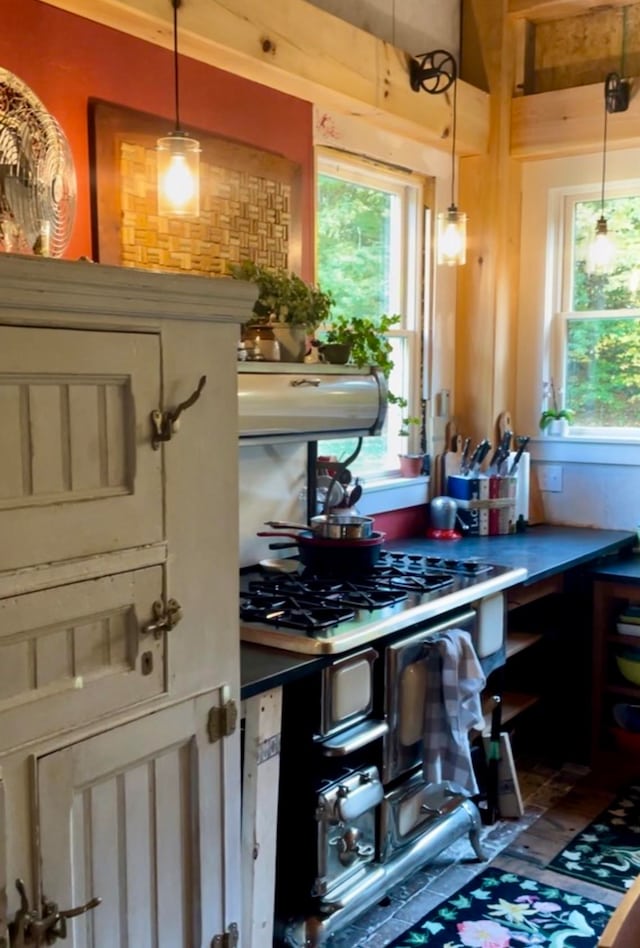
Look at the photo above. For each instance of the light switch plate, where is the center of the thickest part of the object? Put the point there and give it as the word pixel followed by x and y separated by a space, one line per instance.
pixel 550 477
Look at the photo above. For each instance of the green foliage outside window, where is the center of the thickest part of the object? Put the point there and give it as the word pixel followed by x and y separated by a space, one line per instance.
pixel 603 354
pixel 354 253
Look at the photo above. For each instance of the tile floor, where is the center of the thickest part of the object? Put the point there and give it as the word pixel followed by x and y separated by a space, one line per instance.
pixel 541 786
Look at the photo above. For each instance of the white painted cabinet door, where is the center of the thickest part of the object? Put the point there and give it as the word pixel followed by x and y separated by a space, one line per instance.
pixel 78 473
pixel 78 652
pixel 134 816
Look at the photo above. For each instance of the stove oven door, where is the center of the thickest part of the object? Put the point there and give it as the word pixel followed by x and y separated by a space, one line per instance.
pixel 346 815
pixel 347 692
pixel 405 693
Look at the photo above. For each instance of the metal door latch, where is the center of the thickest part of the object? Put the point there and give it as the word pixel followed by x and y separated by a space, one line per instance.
pixel 165 423
pixel 230 939
pixel 163 619
pixel 31 930
pixel 222 721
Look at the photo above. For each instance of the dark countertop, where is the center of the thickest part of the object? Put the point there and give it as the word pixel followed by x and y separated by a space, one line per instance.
pixel 542 550
pixel 624 571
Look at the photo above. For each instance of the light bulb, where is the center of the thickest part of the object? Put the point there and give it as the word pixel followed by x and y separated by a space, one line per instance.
pixel 178 184
pixel 452 237
pixel 601 251
pixel 178 175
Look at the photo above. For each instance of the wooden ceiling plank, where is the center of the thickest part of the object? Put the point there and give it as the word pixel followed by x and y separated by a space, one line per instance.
pixel 301 50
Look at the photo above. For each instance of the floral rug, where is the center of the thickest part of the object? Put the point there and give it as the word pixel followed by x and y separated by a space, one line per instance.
pixel 607 852
pixel 502 910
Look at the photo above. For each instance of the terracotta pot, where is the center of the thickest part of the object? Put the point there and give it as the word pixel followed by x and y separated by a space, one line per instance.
pixel 410 464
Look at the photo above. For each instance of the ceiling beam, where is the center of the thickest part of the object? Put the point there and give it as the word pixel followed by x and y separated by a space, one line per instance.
pixel 539 11
pixel 300 49
pixel 569 122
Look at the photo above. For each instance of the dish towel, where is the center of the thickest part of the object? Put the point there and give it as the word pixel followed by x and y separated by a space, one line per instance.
pixel 452 707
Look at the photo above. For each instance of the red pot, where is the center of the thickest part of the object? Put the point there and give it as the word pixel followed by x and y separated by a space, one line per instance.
pixel 335 556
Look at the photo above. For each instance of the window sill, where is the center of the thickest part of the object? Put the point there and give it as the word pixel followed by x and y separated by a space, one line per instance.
pixel 393 493
pixel 575 449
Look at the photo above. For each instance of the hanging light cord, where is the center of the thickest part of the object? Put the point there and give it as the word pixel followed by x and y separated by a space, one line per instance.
pixel 453 138
pixel 176 4
pixel 604 153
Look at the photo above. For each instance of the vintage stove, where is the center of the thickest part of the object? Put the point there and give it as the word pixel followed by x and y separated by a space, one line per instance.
pixel 315 614
pixel 356 815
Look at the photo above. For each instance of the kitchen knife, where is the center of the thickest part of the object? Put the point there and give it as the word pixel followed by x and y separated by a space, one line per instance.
pixel 474 458
pixel 464 457
pixel 485 447
pixel 522 443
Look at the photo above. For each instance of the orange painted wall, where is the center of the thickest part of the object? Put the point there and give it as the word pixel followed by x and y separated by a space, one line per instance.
pixel 66 60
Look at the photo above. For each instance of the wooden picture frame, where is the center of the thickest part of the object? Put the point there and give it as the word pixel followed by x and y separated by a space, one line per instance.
pixel 250 200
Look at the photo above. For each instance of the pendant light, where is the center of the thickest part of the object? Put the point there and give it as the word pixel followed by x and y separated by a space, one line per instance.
pixel 178 156
pixel 451 240
pixel 435 72
pixel 601 251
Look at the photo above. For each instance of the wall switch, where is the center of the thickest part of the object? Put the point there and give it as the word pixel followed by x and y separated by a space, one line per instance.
pixel 550 477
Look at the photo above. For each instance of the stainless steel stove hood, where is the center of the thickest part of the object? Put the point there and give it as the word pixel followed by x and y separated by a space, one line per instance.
pixel 289 401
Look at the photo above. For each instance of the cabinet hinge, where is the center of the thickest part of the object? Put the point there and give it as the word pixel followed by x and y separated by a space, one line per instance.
pixel 230 939
pixel 222 721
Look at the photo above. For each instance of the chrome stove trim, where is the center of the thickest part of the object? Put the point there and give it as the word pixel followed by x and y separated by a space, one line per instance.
pixel 367 627
pixel 377 879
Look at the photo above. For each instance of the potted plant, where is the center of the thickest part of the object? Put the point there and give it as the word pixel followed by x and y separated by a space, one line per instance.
pixel 554 420
pixel 411 459
pixel 361 339
pixel 291 308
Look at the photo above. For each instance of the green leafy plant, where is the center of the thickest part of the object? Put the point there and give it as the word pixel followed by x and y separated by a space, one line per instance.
pixel 554 412
pixel 284 297
pixel 367 340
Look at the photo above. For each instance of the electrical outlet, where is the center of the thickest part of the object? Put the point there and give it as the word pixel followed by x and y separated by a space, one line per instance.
pixel 550 478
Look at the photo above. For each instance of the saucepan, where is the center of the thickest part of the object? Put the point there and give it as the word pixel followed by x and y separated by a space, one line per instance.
pixel 331 526
pixel 335 556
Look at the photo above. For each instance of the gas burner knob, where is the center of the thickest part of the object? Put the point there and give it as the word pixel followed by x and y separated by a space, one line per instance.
pixel 432 560
pixel 451 564
pixel 397 556
pixel 472 566
pixel 364 777
pixel 414 557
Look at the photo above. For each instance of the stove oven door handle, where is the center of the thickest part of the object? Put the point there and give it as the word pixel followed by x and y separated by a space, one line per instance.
pixel 354 738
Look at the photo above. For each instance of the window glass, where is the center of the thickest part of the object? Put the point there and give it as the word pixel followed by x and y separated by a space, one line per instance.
pixel 369 253
pixel 600 341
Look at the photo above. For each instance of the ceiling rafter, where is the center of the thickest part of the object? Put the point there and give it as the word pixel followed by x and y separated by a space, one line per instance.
pixel 300 49
pixel 539 11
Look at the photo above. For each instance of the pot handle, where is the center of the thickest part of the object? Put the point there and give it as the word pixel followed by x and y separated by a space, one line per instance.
pixel 272 533
pixel 280 524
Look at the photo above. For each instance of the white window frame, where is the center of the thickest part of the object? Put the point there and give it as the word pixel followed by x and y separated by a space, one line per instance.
pixel 412 287
pixel 563 212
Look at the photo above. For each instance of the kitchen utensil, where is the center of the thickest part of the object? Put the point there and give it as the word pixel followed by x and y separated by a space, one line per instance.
pixel 335 556
pixel 442 513
pixel 330 490
pixel 354 495
pixel 330 526
pixel 464 457
pixel 342 466
pixel 279 565
pixel 522 443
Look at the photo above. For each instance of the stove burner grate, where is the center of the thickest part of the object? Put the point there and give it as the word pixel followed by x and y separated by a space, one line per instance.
pixel 291 612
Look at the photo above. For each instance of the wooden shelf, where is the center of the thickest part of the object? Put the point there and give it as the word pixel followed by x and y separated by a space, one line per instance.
pixel 513 704
pixel 519 641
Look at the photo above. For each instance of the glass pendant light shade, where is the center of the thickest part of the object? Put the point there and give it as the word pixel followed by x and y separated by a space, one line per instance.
pixel 601 252
pixel 178 155
pixel 178 175
pixel 451 239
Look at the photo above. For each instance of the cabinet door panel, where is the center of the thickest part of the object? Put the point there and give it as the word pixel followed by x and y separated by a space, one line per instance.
pixel 79 475
pixel 74 653
pixel 135 816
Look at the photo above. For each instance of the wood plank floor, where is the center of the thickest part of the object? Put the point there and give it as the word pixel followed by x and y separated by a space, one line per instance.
pixel 559 802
